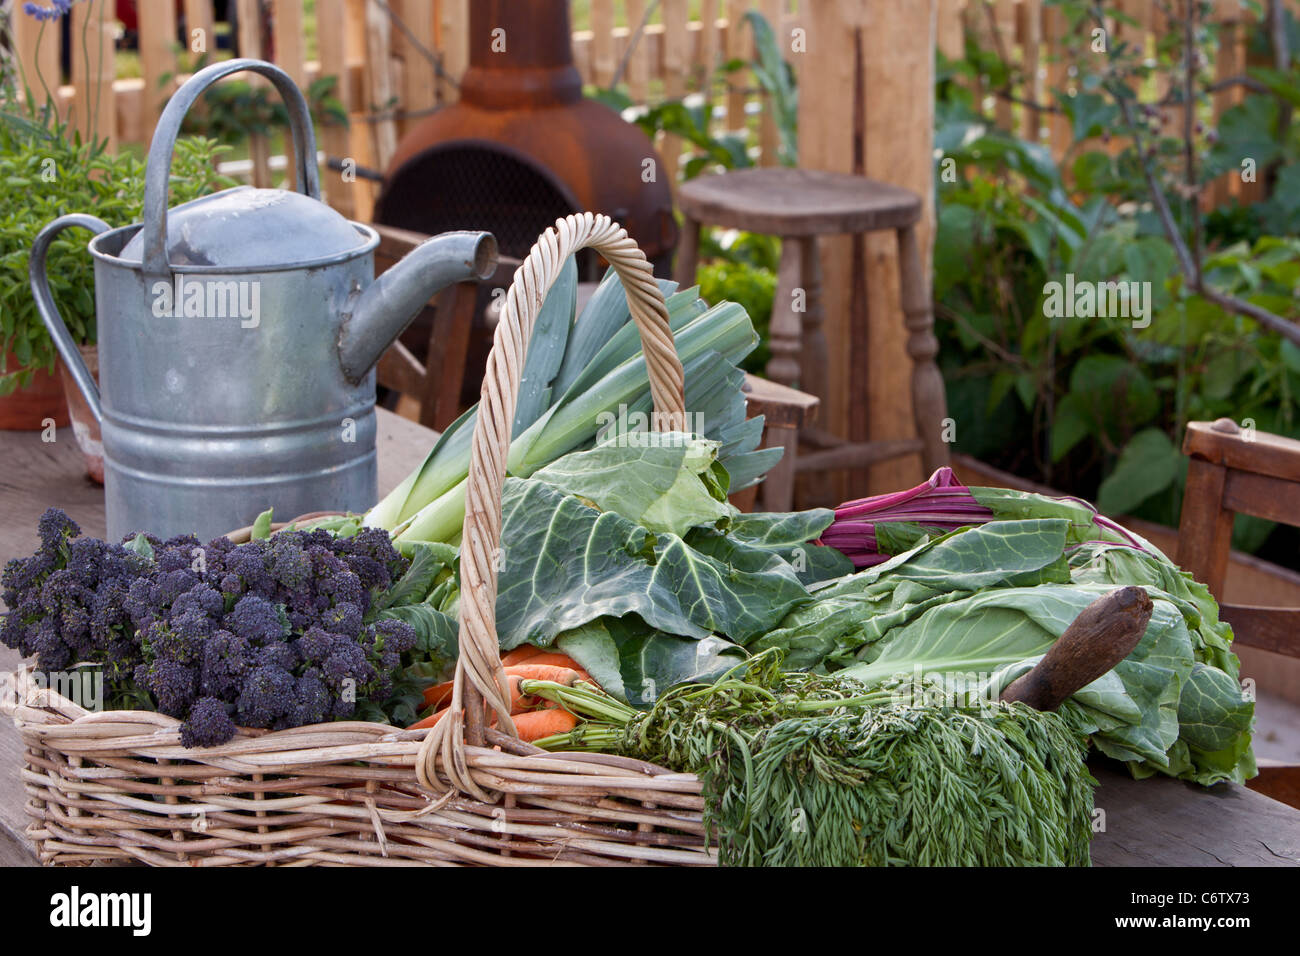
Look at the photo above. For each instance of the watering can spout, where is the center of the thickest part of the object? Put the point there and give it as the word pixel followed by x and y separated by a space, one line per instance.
pixel 379 315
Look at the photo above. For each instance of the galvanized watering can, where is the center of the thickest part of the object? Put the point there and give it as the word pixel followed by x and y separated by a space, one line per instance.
pixel 238 335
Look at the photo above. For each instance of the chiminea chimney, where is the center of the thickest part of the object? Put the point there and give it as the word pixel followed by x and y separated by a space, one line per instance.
pixel 522 146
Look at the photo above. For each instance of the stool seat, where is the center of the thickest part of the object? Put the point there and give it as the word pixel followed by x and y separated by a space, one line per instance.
pixel 797 202
pixel 800 205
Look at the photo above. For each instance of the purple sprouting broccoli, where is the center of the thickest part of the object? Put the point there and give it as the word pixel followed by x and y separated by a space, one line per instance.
pixel 312 703
pixel 54 529
pixel 173 685
pixel 267 695
pixel 279 654
pixel 207 725
pixel 343 618
pixel 257 619
pixel 371 556
pixel 227 658
pixel 273 633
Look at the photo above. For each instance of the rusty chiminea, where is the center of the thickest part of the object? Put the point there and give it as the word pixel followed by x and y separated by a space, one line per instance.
pixel 523 147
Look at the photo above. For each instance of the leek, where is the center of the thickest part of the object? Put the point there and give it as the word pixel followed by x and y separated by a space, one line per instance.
pixel 594 369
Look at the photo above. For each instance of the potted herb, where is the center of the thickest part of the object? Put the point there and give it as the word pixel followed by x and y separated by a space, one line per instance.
pixel 49 170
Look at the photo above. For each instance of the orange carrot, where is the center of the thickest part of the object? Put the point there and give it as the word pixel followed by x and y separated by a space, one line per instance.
pixel 428 721
pixel 438 694
pixel 520 654
pixel 537 724
pixel 559 675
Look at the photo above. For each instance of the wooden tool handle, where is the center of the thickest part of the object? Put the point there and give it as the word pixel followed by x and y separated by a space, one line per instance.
pixel 1103 634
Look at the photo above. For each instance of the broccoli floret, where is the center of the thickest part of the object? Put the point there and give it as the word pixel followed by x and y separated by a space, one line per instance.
pixel 54 529
pixel 277 655
pixel 312 701
pixel 267 695
pixel 343 618
pixel 288 563
pixel 207 725
pixel 227 657
pixel 172 684
pixel 257 619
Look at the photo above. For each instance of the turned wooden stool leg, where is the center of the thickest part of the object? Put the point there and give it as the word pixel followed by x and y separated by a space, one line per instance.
pixel 778 485
pixel 785 335
pixel 929 404
pixel 815 364
pixel 688 252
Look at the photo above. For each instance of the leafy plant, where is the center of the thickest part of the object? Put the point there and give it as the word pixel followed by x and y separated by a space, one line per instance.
pixel 1102 399
pixel 50 171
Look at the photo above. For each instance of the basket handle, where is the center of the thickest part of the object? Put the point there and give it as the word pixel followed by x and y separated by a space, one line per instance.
pixel 480 679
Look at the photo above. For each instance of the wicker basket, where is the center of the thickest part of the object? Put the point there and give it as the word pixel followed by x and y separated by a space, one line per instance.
pixel 119 786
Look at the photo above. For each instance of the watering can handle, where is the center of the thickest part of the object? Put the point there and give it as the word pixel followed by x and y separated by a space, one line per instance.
pixel 49 312
pixel 158 171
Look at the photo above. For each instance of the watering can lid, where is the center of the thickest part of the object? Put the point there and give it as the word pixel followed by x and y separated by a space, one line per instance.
pixel 245 226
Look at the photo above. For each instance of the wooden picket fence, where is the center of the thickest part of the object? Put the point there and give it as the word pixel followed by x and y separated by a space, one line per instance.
pixel 398 59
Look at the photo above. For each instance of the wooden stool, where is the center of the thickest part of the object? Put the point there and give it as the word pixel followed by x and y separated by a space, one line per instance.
pixel 799 205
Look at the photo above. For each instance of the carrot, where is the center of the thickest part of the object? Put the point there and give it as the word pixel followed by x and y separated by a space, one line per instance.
pixel 428 721
pixel 520 654
pixel 537 724
pixel 559 675
pixel 438 694
pixel 553 659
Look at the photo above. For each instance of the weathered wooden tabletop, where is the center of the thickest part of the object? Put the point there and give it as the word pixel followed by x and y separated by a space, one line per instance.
pixel 1157 822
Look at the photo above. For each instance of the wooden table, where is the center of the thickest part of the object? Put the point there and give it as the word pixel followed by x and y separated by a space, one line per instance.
pixel 1156 822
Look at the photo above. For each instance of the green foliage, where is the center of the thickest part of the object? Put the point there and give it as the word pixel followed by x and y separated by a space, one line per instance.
pixel 1097 404
pixel 48 172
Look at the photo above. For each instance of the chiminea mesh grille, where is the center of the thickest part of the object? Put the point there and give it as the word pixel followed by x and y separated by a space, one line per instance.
pixel 459 186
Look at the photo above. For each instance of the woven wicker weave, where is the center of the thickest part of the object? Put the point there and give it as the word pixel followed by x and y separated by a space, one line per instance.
pixel 119 786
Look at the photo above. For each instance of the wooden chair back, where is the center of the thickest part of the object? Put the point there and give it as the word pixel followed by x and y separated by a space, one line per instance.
pixel 1234 471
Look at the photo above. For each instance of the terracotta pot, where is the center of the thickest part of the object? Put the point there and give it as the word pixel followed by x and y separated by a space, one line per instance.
pixel 84 425
pixel 28 409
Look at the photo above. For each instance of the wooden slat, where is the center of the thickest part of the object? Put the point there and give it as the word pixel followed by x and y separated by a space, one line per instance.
pixel 1275 629
pixel 739 44
pixel 1030 28
pixel 290 57
pixel 419 82
pixel 1205 529
pixel 199 16
pixel 250 45
pixel 36 48
pixel 1228 61
pixel 455 41
pixel 157 60
pixel 1222 443
pixel 1262 496
pixel 1058 77
pixel 380 86
pixel 603 62
pixel 1004 24
pixel 769 136
pixel 638 67
pixel 93 71
pixel 707 51
pixel 330 17
pixel 676 14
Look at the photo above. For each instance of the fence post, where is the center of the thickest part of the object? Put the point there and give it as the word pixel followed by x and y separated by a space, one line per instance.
pixel 419 82
pixel 895 52
pixel 330 19
pixel 738 46
pixel 289 56
pixel 676 38
pixel 93 107
pixel 157 61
